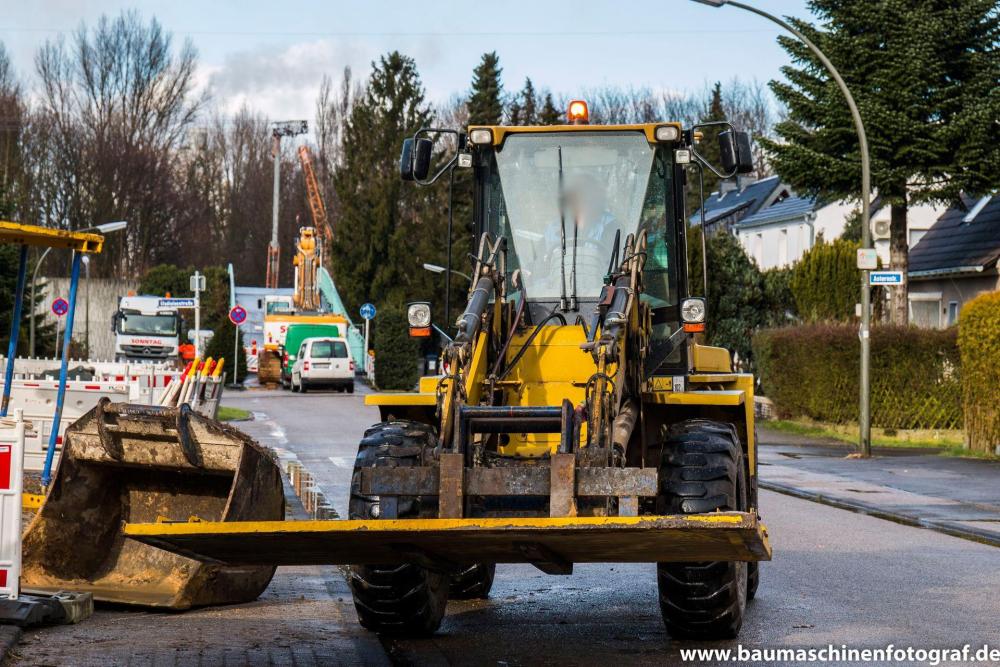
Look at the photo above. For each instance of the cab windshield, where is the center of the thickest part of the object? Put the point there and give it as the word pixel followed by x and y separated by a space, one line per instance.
pixel 135 323
pixel 561 198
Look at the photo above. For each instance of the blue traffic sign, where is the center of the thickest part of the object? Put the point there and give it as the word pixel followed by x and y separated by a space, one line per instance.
pixel 237 315
pixel 885 278
pixel 368 311
pixel 60 307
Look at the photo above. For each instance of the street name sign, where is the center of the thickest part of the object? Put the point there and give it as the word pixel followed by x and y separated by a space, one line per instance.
pixel 885 278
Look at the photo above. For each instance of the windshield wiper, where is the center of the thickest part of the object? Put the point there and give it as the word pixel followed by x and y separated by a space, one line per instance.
pixel 562 233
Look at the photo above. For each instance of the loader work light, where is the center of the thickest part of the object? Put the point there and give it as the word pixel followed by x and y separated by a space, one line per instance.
pixel 418 315
pixel 481 136
pixel 578 113
pixel 668 133
pixel 693 314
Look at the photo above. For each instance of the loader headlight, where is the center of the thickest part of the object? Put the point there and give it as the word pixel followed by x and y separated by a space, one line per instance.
pixel 693 314
pixel 419 314
pixel 481 136
pixel 667 133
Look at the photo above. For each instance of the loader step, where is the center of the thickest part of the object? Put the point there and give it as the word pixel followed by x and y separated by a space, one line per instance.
pixel 699 537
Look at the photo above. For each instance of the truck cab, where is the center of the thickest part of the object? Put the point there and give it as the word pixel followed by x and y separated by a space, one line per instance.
pixel 145 329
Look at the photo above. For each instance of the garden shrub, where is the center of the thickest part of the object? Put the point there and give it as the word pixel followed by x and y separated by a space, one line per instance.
pixel 979 343
pixel 812 371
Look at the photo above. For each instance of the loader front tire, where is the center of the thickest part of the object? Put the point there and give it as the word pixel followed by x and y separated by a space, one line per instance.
pixel 402 599
pixel 473 582
pixel 702 470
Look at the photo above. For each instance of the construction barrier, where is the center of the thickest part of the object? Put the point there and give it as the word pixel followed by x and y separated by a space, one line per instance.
pixel 34 391
pixel 12 432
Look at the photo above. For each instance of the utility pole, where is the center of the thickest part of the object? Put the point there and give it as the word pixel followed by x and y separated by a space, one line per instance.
pixel 197 286
pixel 287 128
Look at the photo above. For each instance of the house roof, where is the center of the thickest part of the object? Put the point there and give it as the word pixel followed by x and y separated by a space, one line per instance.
pixel 751 197
pixel 963 240
pixel 790 208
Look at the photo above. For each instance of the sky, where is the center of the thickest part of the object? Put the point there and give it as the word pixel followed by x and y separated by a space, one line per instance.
pixel 273 55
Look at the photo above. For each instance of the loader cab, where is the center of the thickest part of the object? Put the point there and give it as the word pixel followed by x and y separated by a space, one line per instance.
pixel 566 197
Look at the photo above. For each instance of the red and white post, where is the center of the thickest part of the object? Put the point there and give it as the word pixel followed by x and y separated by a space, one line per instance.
pixel 11 483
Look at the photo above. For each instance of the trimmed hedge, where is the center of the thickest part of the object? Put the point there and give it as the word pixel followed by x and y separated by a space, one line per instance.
pixel 395 352
pixel 812 371
pixel 979 342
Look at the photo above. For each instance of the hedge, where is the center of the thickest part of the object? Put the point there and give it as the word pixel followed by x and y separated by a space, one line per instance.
pixel 812 371
pixel 395 352
pixel 979 342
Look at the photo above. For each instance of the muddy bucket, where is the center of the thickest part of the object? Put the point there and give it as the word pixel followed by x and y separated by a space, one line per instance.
pixel 125 463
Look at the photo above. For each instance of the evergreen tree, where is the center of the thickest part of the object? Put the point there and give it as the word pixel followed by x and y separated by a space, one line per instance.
pixel 529 104
pixel 825 281
pixel 386 228
pixel 396 355
pixel 708 147
pixel 549 115
pixel 737 296
pixel 486 99
pixel 924 74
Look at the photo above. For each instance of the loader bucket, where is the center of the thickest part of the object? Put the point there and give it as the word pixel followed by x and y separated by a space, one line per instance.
pixel 126 463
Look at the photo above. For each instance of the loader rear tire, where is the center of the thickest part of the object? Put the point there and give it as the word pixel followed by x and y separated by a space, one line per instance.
pixel 703 470
pixel 406 599
pixel 473 582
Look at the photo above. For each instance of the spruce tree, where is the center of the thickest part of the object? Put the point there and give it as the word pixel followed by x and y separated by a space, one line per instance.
pixel 924 74
pixel 708 147
pixel 549 115
pixel 385 228
pixel 486 98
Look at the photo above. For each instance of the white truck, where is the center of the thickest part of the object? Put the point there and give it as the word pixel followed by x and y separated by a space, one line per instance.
pixel 147 328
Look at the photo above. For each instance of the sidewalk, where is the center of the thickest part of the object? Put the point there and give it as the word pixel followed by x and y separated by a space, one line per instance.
pixel 914 486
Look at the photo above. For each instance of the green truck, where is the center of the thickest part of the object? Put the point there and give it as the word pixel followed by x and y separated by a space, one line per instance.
pixel 293 341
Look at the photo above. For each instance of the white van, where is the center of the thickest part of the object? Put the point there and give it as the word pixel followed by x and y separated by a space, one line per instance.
pixel 323 362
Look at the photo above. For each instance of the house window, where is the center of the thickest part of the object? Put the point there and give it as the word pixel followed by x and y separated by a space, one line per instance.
pixel 952 312
pixel 783 248
pixel 925 310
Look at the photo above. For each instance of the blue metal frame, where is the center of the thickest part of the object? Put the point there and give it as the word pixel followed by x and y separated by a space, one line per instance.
pixel 15 330
pixel 67 339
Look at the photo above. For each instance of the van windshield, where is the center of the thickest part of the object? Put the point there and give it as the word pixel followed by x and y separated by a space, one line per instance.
pixel 329 349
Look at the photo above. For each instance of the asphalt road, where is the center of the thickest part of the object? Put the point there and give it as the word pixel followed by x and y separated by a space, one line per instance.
pixel 837 577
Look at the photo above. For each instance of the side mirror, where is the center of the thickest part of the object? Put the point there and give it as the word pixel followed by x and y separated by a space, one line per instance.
pixel 114 321
pixel 734 149
pixel 406 160
pixel 422 158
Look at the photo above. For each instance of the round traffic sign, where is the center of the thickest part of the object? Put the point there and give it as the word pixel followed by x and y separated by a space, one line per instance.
pixel 60 307
pixel 368 311
pixel 237 315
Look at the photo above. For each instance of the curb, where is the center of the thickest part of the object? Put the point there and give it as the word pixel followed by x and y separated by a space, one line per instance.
pixel 972 534
pixel 9 636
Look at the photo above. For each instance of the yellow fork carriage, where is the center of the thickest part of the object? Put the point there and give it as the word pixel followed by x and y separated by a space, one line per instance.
pixel 577 418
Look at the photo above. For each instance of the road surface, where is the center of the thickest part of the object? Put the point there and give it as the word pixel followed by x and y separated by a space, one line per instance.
pixel 837 578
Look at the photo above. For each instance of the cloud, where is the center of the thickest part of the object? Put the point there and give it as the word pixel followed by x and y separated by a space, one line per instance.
pixel 282 82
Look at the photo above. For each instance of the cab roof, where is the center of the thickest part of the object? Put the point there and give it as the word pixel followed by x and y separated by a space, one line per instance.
pixel 500 132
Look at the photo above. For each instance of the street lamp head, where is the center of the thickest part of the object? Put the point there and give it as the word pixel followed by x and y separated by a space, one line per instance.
pixel 712 3
pixel 434 268
pixel 109 227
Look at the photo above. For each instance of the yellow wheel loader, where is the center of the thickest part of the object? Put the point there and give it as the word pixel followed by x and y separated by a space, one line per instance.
pixel 577 419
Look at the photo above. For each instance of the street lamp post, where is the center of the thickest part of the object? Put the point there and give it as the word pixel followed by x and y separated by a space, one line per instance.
pixel 864 416
pixel 434 268
pixel 105 228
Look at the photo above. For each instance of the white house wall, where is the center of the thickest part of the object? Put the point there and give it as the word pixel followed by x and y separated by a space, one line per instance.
pixel 776 245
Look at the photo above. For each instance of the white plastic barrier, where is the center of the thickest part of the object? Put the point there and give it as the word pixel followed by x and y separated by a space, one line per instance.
pixel 11 482
pixel 37 399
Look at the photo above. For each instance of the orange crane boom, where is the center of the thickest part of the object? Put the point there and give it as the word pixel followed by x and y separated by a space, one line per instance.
pixel 316 206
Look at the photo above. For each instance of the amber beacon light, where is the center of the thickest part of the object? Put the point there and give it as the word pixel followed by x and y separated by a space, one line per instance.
pixel 578 113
